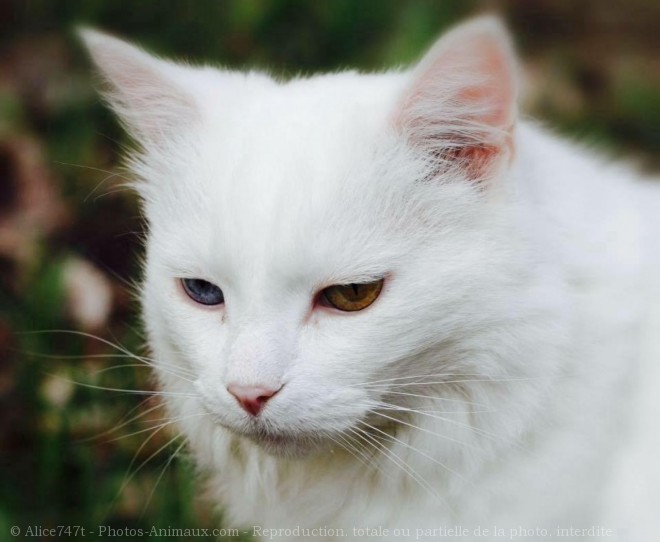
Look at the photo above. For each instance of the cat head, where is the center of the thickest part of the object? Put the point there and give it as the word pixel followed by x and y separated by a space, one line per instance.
pixel 316 244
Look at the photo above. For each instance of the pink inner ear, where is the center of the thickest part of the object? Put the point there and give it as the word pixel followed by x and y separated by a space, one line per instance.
pixel 497 93
pixel 476 160
pixel 148 94
pixel 461 105
pixel 488 86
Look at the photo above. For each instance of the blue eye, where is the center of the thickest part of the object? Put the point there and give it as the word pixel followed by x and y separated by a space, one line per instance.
pixel 203 292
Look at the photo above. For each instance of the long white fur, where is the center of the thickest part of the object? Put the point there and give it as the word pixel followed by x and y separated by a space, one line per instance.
pixel 509 332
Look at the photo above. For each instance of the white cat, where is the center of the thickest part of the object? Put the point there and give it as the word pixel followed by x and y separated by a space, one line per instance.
pixel 384 302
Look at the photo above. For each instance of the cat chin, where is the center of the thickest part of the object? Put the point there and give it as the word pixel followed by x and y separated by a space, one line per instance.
pixel 285 447
pixel 288 446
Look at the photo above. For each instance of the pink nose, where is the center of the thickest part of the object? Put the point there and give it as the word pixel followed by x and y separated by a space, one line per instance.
pixel 251 398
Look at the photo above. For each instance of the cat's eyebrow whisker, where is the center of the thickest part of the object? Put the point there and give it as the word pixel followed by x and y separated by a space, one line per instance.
pixel 120 188
pixel 92 168
pixel 111 174
pixel 424 454
pixel 99 184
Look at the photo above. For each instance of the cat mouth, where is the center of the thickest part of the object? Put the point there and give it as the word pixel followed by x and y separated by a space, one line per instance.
pixel 277 442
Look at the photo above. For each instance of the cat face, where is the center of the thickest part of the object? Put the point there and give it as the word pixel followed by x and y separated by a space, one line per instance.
pixel 275 207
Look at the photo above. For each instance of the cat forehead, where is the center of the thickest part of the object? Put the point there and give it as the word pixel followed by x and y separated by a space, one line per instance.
pixel 303 121
pixel 291 165
pixel 303 139
pixel 322 96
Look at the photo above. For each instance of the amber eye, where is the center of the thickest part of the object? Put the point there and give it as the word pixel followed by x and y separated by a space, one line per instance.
pixel 352 297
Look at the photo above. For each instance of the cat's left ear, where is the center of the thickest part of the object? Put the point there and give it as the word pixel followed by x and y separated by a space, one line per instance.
pixel 460 108
pixel 147 93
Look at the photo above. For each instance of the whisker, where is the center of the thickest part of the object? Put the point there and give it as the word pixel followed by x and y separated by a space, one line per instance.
pixel 434 398
pixel 424 454
pixel 134 473
pixel 123 390
pixel 117 190
pixel 125 423
pixel 478 430
pixel 142 365
pixel 434 375
pixel 160 476
pixel 160 365
pixel 111 174
pixel 344 444
pixel 156 364
pixel 126 480
pixel 117 346
pixel 166 421
pixel 372 455
pixel 139 365
pixel 482 379
pixel 424 430
pixel 390 406
pixel 69 356
pixel 133 284
pixel 396 459
pixel 151 428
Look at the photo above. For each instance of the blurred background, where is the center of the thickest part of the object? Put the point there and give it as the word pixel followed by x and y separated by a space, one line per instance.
pixel 70 234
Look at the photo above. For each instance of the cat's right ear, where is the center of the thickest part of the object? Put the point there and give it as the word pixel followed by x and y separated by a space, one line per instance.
pixel 145 92
pixel 460 107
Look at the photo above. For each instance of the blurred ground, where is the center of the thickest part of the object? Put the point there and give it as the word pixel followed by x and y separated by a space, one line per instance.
pixel 70 233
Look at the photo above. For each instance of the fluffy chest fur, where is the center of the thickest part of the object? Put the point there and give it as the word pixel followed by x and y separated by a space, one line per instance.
pixel 493 377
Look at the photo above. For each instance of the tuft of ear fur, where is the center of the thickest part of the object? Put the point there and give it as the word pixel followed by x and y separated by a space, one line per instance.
pixel 460 108
pixel 145 91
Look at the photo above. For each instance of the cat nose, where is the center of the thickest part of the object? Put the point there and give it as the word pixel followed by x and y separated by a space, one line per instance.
pixel 251 398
